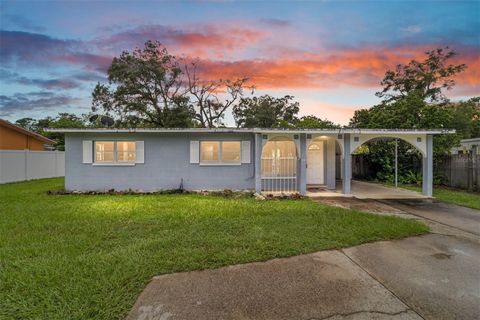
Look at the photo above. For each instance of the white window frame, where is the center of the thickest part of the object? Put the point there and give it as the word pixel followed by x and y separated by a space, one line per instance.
pixel 115 161
pixel 220 162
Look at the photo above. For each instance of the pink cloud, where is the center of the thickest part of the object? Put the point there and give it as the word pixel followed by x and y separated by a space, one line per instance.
pixel 200 40
pixel 363 67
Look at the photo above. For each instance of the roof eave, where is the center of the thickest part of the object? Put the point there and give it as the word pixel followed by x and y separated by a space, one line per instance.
pixel 27 132
pixel 253 130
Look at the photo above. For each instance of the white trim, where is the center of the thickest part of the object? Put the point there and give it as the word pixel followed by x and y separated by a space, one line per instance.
pixel 419 141
pixel 255 130
pixel 470 140
pixel 113 164
pixel 217 164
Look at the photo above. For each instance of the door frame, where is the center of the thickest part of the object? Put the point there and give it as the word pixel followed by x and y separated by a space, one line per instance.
pixel 323 142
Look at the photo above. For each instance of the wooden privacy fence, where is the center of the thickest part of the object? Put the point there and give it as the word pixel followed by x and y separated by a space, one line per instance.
pixel 20 165
pixel 460 170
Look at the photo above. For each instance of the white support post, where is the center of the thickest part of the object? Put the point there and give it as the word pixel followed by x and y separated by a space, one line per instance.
pixel 258 162
pixel 346 165
pixel 427 164
pixel 396 163
pixel 302 188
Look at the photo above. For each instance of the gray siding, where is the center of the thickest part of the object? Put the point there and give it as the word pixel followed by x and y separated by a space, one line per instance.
pixel 167 162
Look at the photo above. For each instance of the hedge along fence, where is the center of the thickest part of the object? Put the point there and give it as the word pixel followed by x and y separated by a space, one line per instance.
pixel 21 165
pixel 458 171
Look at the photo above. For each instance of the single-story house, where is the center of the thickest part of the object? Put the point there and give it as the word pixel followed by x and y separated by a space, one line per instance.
pixel 265 160
pixel 467 146
pixel 13 137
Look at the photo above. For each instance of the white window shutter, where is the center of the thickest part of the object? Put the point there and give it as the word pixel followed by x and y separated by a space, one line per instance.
pixel 246 151
pixel 194 151
pixel 87 151
pixel 140 152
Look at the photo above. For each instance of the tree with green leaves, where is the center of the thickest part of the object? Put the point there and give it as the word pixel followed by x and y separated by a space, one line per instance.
pixel 313 122
pixel 145 88
pixel 425 78
pixel 150 87
pixel 27 123
pixel 266 112
pixel 63 120
pixel 414 99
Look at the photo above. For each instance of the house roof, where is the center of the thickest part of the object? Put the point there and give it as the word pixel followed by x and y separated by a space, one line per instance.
pixel 470 140
pixel 252 130
pixel 26 132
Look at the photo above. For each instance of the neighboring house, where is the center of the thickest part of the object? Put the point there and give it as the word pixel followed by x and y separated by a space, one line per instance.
pixel 467 146
pixel 265 160
pixel 26 155
pixel 13 137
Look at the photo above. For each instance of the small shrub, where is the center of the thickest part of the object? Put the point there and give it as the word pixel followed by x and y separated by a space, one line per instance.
pixel 411 177
pixel 440 179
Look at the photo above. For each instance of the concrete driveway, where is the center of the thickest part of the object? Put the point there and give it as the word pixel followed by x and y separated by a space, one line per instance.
pixel 435 276
pixel 461 218
pixel 366 190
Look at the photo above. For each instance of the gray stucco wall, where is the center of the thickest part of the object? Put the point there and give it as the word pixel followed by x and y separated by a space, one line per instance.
pixel 167 161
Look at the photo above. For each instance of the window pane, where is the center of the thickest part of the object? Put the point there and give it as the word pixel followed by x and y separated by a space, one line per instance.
pixel 104 151
pixel 126 151
pixel 126 156
pixel 314 146
pixel 231 151
pixel 209 150
pixel 126 146
pixel 104 146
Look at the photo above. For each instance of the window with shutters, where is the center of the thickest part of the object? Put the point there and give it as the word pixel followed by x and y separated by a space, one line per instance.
pixel 111 152
pixel 220 152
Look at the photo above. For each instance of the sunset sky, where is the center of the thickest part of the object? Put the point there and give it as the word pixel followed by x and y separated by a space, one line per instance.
pixel 330 55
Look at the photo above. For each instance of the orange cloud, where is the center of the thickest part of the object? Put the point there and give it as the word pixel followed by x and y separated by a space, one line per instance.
pixel 363 67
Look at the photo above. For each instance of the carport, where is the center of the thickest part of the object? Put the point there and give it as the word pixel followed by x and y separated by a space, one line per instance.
pixel 422 140
pixel 306 160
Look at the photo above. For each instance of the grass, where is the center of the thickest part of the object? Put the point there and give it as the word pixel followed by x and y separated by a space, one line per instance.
pixel 88 257
pixel 458 197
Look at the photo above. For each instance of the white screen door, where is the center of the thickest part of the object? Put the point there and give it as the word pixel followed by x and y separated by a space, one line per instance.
pixel 315 163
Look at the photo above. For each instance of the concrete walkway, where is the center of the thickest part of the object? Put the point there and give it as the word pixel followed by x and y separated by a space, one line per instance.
pixel 435 276
pixel 366 190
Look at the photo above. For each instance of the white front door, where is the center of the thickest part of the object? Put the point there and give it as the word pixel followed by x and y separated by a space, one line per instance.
pixel 315 164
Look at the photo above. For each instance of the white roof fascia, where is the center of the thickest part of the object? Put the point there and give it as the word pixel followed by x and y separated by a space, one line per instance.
pixel 254 130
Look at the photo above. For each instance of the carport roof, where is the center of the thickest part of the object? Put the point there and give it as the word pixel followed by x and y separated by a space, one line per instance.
pixel 253 130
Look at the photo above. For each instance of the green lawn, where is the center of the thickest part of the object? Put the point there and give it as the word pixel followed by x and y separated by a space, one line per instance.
pixel 458 197
pixel 88 257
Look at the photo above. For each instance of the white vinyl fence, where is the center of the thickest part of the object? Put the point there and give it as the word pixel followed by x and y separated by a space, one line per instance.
pixel 20 165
